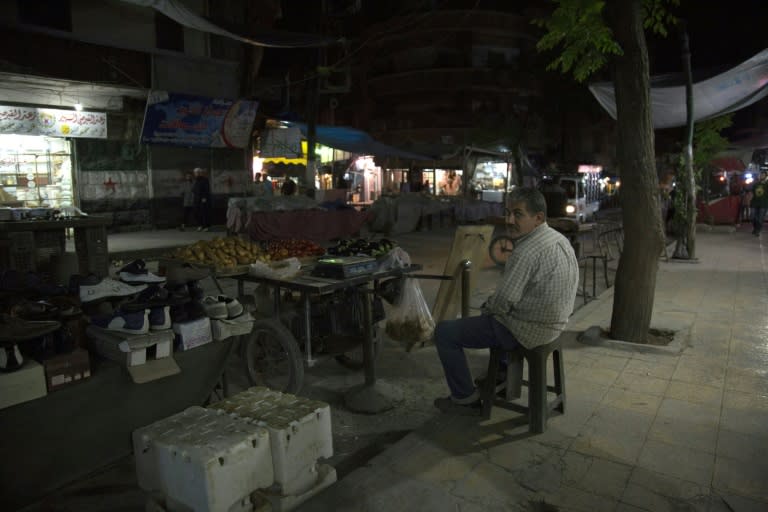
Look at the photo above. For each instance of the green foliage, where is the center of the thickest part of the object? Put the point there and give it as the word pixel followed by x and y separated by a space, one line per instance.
pixel 579 28
pixel 657 16
pixel 587 42
pixel 707 141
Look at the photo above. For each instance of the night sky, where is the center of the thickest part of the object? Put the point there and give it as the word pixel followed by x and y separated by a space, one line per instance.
pixel 722 33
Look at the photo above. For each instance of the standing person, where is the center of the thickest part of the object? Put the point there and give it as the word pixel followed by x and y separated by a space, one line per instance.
pixel 288 188
pixel 530 306
pixel 187 200
pixel 201 191
pixel 266 185
pixel 759 204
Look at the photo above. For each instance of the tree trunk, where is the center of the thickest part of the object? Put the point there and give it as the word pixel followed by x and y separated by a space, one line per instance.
pixel 686 243
pixel 641 214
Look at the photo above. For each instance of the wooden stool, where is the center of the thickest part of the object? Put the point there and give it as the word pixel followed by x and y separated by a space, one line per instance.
pixel 538 407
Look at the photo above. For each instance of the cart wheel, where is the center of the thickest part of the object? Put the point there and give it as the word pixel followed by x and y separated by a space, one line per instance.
pixel 354 358
pixel 273 358
pixel 500 249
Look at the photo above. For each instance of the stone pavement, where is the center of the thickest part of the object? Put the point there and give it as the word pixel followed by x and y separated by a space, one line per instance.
pixel 678 428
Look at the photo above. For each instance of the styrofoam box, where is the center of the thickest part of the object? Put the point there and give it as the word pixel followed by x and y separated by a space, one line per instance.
pixel 299 430
pixel 130 349
pixel 223 329
pixel 203 458
pixel 194 333
pixel 22 385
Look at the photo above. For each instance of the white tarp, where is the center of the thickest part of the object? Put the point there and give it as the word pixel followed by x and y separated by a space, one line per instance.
pixel 275 39
pixel 730 91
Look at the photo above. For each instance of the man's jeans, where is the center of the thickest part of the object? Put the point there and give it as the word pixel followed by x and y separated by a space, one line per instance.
pixel 758 219
pixel 453 336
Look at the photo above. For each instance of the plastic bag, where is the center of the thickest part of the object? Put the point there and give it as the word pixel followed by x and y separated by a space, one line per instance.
pixel 396 258
pixel 282 269
pixel 410 319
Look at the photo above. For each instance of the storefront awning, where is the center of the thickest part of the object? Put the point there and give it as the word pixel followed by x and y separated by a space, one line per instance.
pixel 728 164
pixel 356 141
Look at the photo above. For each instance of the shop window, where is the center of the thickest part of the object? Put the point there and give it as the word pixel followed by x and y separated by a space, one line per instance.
pixel 169 35
pixel 46 13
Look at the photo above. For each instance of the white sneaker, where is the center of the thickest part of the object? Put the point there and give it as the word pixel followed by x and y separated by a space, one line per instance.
pixel 214 308
pixel 107 287
pixel 234 308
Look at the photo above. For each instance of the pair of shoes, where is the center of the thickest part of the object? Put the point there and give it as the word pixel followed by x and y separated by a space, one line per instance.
pixel 448 406
pixel 10 358
pixel 185 273
pixel 13 329
pixel 136 272
pixel 130 322
pixel 222 307
pixel 188 312
pixel 155 296
pixel 94 288
pixel 199 228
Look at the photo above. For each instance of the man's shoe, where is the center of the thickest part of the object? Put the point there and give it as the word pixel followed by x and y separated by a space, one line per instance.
pixel 93 288
pixel 10 358
pixel 160 318
pixel 234 308
pixel 185 273
pixel 448 406
pixel 14 329
pixel 136 272
pixel 123 321
pixel 155 296
pixel 214 308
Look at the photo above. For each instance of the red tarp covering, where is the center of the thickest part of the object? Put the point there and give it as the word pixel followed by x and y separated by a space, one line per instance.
pixel 720 211
pixel 729 164
pixel 316 225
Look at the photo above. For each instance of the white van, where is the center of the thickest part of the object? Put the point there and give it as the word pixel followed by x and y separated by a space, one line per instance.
pixel 583 191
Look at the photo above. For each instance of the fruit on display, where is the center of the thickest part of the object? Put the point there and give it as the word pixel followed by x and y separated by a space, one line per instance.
pixel 221 252
pixel 362 246
pixel 282 249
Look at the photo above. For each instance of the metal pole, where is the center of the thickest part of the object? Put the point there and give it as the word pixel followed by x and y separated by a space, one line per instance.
pixel 466 267
pixel 368 362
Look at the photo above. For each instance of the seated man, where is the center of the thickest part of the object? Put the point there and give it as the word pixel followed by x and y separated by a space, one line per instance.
pixel 530 306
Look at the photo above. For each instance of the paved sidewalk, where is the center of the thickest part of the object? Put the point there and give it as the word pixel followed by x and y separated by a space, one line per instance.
pixel 681 428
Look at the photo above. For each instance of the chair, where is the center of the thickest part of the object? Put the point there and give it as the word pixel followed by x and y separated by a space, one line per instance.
pixel 608 246
pixel 538 407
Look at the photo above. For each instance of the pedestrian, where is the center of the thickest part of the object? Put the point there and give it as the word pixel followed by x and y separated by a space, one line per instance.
pixel 266 185
pixel 530 306
pixel 759 204
pixel 201 191
pixel 187 200
pixel 288 188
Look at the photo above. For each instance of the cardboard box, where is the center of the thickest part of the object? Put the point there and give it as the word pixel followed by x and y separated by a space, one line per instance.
pixel 193 333
pixel 130 349
pixel 66 369
pixel 22 385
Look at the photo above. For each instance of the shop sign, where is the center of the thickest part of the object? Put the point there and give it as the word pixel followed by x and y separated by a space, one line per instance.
pixel 52 122
pixel 196 121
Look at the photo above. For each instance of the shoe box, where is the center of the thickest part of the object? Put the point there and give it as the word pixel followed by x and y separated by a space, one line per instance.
pixel 193 333
pixel 22 385
pixel 223 329
pixel 66 369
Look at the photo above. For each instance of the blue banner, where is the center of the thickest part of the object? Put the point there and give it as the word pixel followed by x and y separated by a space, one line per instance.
pixel 197 121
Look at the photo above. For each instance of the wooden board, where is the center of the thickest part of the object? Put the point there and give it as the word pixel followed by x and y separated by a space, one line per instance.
pixel 469 243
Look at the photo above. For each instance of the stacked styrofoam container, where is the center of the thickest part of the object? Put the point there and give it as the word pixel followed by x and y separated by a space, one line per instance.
pixel 300 435
pixel 203 460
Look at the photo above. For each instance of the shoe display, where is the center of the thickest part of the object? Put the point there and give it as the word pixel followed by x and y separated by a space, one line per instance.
pixel 196 292
pixel 214 308
pixel 136 322
pixel 234 308
pixel 93 288
pixel 448 406
pixel 35 310
pixel 186 273
pixel 160 318
pixel 155 296
pixel 29 283
pixel 14 329
pixel 136 272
